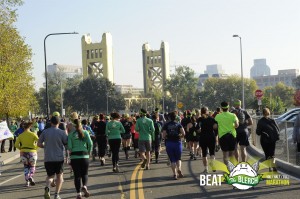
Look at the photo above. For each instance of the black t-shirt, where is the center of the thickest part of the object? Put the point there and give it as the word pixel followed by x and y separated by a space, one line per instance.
pixel 206 125
pixel 173 130
pixel 99 128
pixel 127 126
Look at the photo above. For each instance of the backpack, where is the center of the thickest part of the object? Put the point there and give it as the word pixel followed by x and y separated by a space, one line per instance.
pixel 240 115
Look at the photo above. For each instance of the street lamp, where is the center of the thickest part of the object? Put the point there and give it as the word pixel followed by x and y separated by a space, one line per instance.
pixel 46 71
pixel 242 74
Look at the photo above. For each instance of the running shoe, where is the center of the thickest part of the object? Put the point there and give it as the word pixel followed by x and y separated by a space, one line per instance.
pixel 114 169
pixel 102 162
pixel 47 193
pixel 85 192
pixel 32 183
pixel 117 169
pixel 144 163
pixel 205 171
pixel 195 158
pixel 175 177
pixel 78 197
pixel 53 184
pixel 180 175
pixel 156 161
pixel 56 196
pixel 27 184
pixel 147 168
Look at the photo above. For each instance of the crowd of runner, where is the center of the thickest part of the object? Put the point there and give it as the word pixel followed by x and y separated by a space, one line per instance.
pixel 74 141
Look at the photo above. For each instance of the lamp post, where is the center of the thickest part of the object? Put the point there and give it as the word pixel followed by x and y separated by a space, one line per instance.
pixel 46 71
pixel 242 74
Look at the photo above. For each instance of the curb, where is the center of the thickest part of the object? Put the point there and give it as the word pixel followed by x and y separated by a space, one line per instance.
pixel 282 165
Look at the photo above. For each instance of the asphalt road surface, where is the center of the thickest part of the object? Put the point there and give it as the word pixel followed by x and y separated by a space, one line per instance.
pixel 133 182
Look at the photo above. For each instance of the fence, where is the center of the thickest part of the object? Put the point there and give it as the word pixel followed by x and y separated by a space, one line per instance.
pixel 285 149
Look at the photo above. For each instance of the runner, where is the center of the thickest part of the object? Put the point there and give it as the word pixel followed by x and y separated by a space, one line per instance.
pixel 85 126
pixel 135 137
pixel 193 137
pixel 113 130
pixel 157 135
pixel 27 144
pixel 172 133
pixel 208 138
pixel 242 132
pixel 101 138
pixel 80 146
pixel 227 122
pixel 53 140
pixel 126 137
pixel 145 128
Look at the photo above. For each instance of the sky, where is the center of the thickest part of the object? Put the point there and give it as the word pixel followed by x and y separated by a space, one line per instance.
pixel 199 33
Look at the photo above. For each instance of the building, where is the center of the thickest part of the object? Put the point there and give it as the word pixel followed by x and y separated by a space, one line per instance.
pixel 129 90
pixel 214 70
pixel 260 68
pixel 68 71
pixel 156 67
pixel 97 58
pixel 285 76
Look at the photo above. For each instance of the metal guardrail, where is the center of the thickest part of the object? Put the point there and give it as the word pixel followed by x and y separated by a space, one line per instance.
pixel 285 149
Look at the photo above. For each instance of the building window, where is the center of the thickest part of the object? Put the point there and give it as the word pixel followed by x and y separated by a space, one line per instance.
pixel 100 53
pixel 148 59
pixel 159 59
pixel 92 54
pixel 151 60
pixel 155 60
pixel 87 54
pixel 96 53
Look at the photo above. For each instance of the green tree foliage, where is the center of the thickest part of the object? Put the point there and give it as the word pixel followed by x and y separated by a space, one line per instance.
pixel 16 81
pixel 279 96
pixel 182 84
pixel 91 96
pixel 217 90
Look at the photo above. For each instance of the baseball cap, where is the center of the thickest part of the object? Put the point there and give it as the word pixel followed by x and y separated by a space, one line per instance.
pixel 237 102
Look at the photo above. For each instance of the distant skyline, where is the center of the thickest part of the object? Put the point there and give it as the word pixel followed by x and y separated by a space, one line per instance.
pixel 199 33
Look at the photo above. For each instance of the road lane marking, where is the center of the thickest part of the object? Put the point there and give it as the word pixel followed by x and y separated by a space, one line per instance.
pixel 140 184
pixel 132 181
pixel 121 189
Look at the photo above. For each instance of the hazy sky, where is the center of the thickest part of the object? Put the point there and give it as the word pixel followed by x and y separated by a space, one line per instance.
pixel 199 32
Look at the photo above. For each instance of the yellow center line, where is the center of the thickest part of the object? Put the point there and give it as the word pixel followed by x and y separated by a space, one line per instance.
pixel 140 184
pixel 132 182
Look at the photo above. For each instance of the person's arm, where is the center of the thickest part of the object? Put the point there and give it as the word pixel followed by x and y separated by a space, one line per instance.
pixel 41 140
pixel 89 141
pixel 236 121
pixel 182 132
pixel 70 145
pixel 248 119
pixel 152 129
pixel 188 126
pixel 122 129
pixel 17 144
pixel 259 127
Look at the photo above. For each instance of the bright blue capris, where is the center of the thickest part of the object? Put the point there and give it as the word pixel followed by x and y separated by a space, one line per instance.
pixel 174 150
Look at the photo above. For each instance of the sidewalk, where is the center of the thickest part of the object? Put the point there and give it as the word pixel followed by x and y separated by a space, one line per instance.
pixel 7 157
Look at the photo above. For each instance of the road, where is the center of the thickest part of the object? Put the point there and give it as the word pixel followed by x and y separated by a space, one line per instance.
pixel 133 182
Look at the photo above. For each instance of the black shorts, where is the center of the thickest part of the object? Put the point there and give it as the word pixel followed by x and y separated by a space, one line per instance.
pixel 126 136
pixel 227 142
pixel 53 168
pixel 242 137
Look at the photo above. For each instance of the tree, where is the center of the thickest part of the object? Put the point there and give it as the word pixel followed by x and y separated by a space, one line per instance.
pixel 217 90
pixel 183 86
pixel 93 95
pixel 16 81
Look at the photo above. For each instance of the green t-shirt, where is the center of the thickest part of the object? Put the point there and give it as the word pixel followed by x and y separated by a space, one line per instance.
pixel 13 128
pixel 114 129
pixel 145 127
pixel 226 122
pixel 80 145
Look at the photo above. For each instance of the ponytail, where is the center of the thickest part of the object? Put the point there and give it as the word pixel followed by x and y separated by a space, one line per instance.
pixel 78 128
